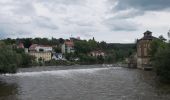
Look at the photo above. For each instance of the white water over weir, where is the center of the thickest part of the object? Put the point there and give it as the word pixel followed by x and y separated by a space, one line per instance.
pixel 58 72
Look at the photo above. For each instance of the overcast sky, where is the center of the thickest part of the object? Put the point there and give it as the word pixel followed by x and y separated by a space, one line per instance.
pixel 120 21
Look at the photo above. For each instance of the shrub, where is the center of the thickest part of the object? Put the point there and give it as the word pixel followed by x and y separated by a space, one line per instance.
pixel 10 60
pixel 161 63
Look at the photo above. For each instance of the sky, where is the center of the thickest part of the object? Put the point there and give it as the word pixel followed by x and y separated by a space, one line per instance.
pixel 113 21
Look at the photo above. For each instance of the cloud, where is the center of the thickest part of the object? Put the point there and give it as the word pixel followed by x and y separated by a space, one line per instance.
pixel 121 25
pixel 106 20
pixel 144 5
pixel 133 8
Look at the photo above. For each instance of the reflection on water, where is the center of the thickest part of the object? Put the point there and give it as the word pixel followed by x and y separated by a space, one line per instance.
pixel 8 91
pixel 81 84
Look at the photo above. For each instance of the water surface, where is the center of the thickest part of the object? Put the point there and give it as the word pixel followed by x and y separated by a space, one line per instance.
pixel 81 83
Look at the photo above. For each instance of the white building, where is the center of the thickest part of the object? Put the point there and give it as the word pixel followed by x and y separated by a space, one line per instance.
pixel 40 48
pixel 68 47
pixel 58 56
pixel 41 52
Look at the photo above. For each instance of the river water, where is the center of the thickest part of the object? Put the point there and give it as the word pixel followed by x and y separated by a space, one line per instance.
pixel 81 83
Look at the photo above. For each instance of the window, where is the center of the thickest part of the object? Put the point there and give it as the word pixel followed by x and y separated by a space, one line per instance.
pixel 145 51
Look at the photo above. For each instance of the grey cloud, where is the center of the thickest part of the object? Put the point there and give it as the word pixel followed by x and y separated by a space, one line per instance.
pixel 146 5
pixel 65 2
pixel 79 22
pixel 45 22
pixel 24 8
pixel 120 25
pixel 128 9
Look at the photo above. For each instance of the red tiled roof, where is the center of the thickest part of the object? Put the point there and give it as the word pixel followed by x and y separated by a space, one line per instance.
pixel 33 46
pixel 21 45
pixel 69 43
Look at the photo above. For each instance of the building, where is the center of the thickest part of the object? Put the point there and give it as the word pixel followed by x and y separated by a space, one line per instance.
pixel 44 56
pixel 38 48
pixel 143 48
pixel 41 52
pixel 58 56
pixel 68 47
pixel 20 46
pixel 97 53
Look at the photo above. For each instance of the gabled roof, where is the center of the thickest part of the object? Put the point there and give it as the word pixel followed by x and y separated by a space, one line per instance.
pixel 147 36
pixel 69 43
pixel 20 45
pixel 33 46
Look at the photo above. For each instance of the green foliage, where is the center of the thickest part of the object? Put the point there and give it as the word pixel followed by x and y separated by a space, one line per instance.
pixel 27 60
pixel 82 47
pixel 9 41
pixel 155 46
pixel 57 49
pixel 70 56
pixel 10 60
pixel 2 44
pixel 100 59
pixel 27 42
pixel 103 45
pixel 161 63
pixel 85 59
pixel 160 58
pixel 110 59
pixel 58 62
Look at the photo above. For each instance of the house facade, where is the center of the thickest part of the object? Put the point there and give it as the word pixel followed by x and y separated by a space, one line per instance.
pixel 41 52
pixel 143 48
pixel 97 53
pixel 45 56
pixel 40 48
pixel 68 47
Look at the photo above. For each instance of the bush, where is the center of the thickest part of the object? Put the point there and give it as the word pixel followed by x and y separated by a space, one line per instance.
pixel 58 62
pixel 161 63
pixel 10 60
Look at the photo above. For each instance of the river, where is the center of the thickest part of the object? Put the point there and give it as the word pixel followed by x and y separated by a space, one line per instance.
pixel 95 82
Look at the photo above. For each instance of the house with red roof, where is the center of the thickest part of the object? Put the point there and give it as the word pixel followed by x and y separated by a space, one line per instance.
pixel 68 47
pixel 20 45
pixel 43 52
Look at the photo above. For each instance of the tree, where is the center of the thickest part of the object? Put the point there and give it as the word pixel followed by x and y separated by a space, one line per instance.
pixel 160 58
pixel 61 40
pixel 155 45
pixel 100 59
pixel 27 60
pixel 161 63
pixel 10 60
pixel 162 38
pixel 57 49
pixel 27 43
pixel 103 45
pixel 82 47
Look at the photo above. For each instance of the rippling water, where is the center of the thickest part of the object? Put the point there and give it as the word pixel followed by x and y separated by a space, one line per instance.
pixel 97 83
